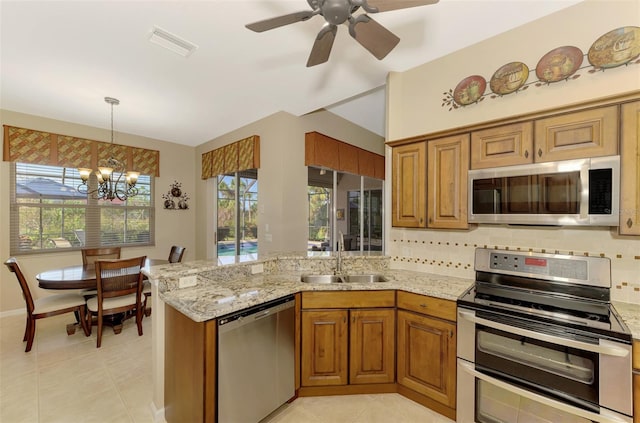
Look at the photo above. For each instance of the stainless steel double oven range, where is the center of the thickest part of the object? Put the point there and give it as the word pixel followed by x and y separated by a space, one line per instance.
pixel 539 341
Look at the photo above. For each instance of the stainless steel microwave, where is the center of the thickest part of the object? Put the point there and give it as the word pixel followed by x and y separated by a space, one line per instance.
pixel 572 192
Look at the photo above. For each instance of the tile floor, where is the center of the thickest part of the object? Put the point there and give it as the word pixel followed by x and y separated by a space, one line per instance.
pixel 67 379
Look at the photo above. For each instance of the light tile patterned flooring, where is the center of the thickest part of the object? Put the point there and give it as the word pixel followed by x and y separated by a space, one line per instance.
pixel 67 379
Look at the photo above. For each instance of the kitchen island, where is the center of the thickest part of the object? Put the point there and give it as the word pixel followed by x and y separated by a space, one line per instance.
pixel 220 290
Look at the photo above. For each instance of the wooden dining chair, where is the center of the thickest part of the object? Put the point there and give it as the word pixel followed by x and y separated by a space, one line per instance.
pixel 90 255
pixel 119 284
pixel 175 256
pixel 52 305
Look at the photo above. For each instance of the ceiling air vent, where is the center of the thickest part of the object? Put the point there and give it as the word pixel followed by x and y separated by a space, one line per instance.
pixel 171 42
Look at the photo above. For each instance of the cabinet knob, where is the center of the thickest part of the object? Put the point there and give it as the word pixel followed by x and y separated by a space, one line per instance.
pixel 450 333
pixel 629 223
pixel 423 305
pixel 421 220
pixel 526 154
pixel 539 152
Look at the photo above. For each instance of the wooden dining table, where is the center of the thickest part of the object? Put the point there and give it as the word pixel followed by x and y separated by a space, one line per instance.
pixel 78 276
pixel 83 277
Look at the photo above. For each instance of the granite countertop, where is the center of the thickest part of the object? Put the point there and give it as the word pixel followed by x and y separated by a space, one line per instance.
pixel 211 300
pixel 222 290
pixel 630 313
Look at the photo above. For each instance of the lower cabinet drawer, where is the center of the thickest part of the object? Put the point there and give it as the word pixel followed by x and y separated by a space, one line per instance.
pixel 348 299
pixel 436 307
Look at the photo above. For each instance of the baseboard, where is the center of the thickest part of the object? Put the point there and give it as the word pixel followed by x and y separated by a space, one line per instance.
pixel 157 414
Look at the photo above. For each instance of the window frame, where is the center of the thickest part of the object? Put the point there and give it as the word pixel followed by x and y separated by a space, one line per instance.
pixel 93 211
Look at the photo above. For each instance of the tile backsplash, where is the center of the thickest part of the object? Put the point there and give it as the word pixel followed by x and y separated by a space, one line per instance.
pixel 452 252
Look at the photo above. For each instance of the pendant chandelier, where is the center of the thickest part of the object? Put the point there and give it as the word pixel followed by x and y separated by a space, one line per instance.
pixel 114 181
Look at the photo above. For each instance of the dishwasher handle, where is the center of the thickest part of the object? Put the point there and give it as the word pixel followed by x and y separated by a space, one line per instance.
pixel 253 314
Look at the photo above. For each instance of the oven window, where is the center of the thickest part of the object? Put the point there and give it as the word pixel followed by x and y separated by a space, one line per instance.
pixel 497 405
pixel 551 369
pixel 560 363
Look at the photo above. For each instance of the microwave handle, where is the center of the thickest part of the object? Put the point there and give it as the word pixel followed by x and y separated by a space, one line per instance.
pixel 584 191
pixel 469 368
pixel 599 349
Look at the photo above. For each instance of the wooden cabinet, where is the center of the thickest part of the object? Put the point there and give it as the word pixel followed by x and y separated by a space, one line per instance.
pixel 448 163
pixel 409 190
pixel 348 158
pixel 189 368
pixel 504 145
pixel 370 164
pixel 330 153
pixel 346 340
pixel 322 151
pixel 587 133
pixel 432 195
pixel 636 381
pixel 426 351
pixel 630 170
pixel 324 347
pixel 372 346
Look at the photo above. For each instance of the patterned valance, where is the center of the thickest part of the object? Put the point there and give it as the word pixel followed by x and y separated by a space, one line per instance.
pixel 38 147
pixel 235 157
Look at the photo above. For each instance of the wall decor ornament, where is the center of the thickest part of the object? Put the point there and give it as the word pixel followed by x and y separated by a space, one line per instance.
pixel 175 198
pixel 558 64
pixel 613 49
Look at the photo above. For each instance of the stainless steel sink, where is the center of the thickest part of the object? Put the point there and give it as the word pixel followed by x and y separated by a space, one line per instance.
pixel 370 278
pixel 321 278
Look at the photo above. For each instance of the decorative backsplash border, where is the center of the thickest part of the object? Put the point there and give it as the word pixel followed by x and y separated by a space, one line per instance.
pixel 452 253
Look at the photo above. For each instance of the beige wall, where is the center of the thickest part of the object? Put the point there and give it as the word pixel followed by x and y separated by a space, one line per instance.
pixel 172 227
pixel 414 107
pixel 282 177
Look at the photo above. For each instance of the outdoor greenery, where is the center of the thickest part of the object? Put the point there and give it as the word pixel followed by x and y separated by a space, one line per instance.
pixel 319 207
pixel 48 209
pixel 234 214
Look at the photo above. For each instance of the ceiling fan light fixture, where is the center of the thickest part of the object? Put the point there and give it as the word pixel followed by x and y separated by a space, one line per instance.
pixel 171 42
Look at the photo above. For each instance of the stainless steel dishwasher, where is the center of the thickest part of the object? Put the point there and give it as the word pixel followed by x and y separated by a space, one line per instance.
pixel 255 361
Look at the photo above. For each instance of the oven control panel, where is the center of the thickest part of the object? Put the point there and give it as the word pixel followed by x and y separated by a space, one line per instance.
pixel 539 265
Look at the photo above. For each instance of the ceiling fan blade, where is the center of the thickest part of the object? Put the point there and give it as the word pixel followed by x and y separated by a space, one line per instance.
pixel 373 36
pixel 322 46
pixel 279 21
pixel 386 5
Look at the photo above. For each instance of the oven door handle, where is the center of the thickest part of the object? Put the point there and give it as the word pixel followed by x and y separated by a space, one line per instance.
pixel 469 368
pixel 596 348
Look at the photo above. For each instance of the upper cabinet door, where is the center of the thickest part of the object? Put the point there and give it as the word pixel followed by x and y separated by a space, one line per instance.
pixel 505 145
pixel 408 192
pixel 448 164
pixel 630 170
pixel 589 133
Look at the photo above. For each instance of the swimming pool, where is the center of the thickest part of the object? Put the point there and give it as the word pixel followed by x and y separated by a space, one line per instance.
pixel 227 248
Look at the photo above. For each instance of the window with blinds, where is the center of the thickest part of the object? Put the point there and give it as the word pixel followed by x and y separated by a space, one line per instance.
pixel 48 214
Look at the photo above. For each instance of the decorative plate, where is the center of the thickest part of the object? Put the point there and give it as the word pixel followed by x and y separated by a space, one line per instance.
pixel 469 90
pixel 615 48
pixel 559 64
pixel 509 78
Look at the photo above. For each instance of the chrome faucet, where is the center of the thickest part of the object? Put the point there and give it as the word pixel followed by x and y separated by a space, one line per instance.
pixel 340 250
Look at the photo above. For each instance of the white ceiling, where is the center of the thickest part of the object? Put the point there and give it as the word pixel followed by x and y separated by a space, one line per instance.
pixel 59 59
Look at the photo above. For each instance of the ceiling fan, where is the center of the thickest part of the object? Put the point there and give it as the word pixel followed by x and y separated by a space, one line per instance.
pixel 369 33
